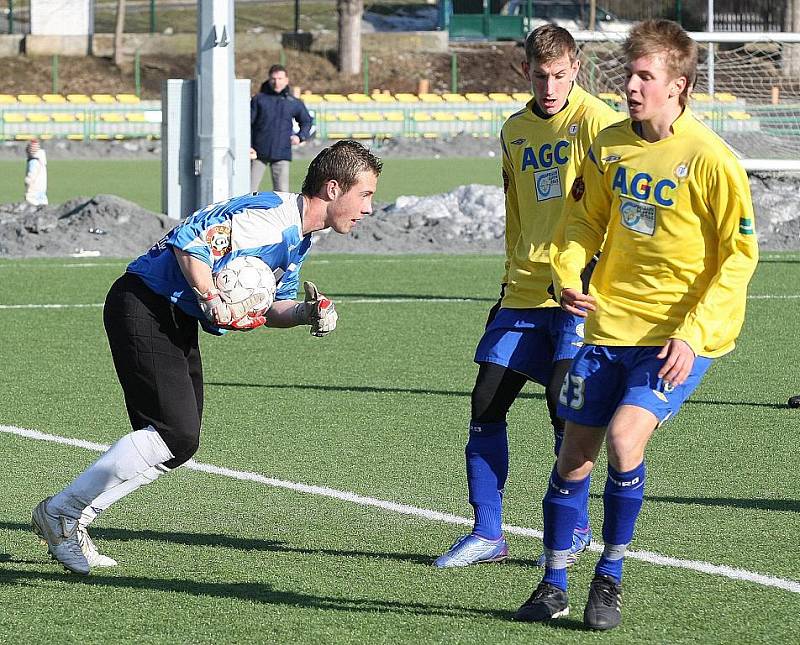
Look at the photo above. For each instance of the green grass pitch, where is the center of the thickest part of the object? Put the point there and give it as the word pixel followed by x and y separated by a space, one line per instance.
pixel 380 409
pixel 140 181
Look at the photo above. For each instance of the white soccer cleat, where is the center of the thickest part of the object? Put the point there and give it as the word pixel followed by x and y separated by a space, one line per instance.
pixel 93 556
pixel 61 535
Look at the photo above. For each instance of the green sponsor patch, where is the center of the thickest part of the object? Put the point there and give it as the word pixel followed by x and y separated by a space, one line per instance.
pixel 746 226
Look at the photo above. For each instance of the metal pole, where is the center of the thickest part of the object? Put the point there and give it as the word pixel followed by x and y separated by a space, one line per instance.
pixel 137 74
pixel 453 73
pixel 10 16
pixel 296 16
pixel 55 73
pixel 710 27
pixel 152 16
pixel 366 75
pixel 679 12
pixel 592 14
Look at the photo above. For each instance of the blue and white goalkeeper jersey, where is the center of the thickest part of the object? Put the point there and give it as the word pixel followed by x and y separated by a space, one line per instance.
pixel 266 225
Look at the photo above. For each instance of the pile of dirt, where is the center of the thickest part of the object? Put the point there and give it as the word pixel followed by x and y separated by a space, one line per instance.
pixel 469 219
pixel 104 225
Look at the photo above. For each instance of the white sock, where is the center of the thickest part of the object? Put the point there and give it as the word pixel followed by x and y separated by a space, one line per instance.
pixel 134 454
pixel 107 498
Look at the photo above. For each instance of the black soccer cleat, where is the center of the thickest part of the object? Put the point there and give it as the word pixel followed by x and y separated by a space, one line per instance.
pixel 604 609
pixel 547 602
pixel 794 402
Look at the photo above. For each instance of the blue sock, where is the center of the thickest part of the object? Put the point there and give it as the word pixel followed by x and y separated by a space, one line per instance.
pixel 583 516
pixel 561 507
pixel 622 501
pixel 487 471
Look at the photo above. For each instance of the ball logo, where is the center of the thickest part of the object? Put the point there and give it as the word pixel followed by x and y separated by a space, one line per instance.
pixel 682 171
pixel 219 239
pixel 573 129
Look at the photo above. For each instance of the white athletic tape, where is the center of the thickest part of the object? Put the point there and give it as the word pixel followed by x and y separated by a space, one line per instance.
pixel 436 516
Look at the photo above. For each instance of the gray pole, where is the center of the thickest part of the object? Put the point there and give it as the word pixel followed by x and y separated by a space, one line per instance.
pixel 214 153
pixel 711 49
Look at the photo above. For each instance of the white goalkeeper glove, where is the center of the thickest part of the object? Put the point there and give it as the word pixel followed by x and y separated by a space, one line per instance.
pixel 316 310
pixel 214 308
pixel 239 316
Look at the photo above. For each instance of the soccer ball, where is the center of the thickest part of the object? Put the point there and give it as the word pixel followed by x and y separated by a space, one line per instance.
pixel 247 278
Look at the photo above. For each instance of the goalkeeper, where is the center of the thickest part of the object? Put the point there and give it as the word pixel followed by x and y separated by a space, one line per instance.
pixel 529 338
pixel 151 318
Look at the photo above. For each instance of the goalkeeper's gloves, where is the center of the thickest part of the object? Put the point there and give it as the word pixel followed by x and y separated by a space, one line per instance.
pixel 214 308
pixel 221 314
pixel 316 310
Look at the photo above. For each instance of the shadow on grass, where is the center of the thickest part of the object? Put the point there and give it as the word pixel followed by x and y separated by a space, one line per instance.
pixel 788 505
pixel 746 404
pixel 243 544
pixel 359 388
pixel 367 389
pixel 250 592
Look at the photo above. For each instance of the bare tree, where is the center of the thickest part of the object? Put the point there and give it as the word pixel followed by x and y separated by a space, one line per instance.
pixel 119 30
pixel 350 13
pixel 791 62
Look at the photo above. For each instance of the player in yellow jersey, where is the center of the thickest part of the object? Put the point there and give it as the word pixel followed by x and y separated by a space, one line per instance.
pixel 528 337
pixel 666 298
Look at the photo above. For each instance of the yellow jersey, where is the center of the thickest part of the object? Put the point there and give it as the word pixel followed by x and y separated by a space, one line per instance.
pixel 541 158
pixel 680 246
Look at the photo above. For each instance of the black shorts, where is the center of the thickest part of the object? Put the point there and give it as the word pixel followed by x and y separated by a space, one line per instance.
pixel 156 355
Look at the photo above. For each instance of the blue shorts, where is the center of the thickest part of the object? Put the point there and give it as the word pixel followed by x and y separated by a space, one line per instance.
pixel 529 341
pixel 602 378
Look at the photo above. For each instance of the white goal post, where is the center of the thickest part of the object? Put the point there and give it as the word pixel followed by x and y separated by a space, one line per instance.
pixel 747 89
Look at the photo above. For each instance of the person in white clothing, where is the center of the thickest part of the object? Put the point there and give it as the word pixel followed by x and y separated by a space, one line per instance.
pixel 35 174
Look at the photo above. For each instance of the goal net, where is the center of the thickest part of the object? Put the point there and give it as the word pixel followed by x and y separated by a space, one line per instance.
pixel 747 89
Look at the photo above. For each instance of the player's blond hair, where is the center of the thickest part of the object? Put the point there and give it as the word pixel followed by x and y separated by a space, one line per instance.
pixel 668 39
pixel 548 43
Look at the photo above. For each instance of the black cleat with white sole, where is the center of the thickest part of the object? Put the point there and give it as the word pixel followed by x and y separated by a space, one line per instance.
pixel 546 603
pixel 604 609
pixel 794 402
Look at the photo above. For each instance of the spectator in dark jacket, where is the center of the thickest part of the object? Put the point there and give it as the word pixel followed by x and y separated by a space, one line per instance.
pixel 273 112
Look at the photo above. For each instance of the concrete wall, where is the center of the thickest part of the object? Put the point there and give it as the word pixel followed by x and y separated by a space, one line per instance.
pixel 11 44
pixel 147 44
pixel 60 18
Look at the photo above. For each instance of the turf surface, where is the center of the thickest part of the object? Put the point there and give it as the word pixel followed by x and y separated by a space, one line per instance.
pixel 380 408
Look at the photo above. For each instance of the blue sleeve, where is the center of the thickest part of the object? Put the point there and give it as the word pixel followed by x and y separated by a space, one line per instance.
pixel 253 109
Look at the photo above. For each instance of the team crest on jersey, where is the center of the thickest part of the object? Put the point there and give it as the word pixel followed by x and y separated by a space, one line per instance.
pixel 548 184
pixel 638 216
pixel 578 188
pixel 517 142
pixel 682 171
pixel 219 239
pixel 573 129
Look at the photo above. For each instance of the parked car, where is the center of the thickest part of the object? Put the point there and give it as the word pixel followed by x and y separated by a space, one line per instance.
pixel 573 16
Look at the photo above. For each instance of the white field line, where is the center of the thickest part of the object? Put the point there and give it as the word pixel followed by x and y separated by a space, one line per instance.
pixel 435 516
pixel 362 301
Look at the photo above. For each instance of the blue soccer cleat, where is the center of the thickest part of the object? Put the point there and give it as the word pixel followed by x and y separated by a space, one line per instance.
pixel 472 549
pixel 581 539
